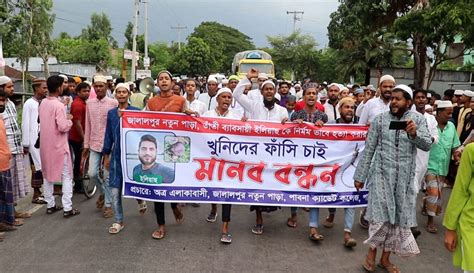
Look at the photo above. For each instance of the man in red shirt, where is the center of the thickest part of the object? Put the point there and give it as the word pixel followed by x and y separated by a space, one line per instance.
pixel 76 134
pixel 300 104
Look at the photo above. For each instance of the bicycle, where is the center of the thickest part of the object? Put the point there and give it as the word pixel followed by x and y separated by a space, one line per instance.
pixel 88 186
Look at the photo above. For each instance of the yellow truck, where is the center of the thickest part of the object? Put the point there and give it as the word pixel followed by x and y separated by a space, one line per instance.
pixel 258 59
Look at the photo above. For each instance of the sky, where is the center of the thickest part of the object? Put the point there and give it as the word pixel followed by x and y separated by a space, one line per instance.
pixel 256 19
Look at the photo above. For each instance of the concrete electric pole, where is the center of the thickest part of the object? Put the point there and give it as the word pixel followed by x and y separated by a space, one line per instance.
pixel 179 29
pixel 295 17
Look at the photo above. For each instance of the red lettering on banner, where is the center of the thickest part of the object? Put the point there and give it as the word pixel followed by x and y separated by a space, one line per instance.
pixel 330 176
pixel 234 169
pixel 283 174
pixel 307 179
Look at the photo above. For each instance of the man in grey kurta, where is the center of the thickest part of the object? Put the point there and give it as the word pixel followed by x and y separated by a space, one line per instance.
pixel 388 169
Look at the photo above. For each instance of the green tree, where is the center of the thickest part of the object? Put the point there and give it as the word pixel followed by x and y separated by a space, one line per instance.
pixel 224 42
pixel 129 39
pixel 295 53
pixel 430 25
pixel 42 23
pixel 99 28
pixel 160 57
pixel 193 59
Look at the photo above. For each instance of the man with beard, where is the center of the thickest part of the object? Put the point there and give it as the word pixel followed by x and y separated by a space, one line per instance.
pixel 30 128
pixel 256 94
pixel 149 171
pixel 388 169
pixel 209 97
pixel 17 169
pixel 465 114
pixel 284 90
pixel 267 109
pixel 346 109
pixel 438 163
pixel 330 107
pixel 378 105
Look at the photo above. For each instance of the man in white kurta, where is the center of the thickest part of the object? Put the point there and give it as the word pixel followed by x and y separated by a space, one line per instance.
pixel 30 129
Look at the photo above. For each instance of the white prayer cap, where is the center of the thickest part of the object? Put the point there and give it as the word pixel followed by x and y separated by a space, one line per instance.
pixel 262 76
pixel 428 107
pixel 436 102
pixel 404 88
pixel 458 92
pixel 386 78
pixel 444 104
pixel 428 95
pixel 109 78
pixel 223 90
pixel 268 82
pixel 297 85
pixel 211 79
pixel 277 96
pixel 335 84
pixel 225 81
pixel 123 85
pixel 325 83
pixel 468 93
pixel 100 78
pixel 4 80
pixel 63 76
pixel 349 86
pixel 371 87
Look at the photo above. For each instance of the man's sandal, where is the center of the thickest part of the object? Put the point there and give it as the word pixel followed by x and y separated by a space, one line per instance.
pixel 257 229
pixel 116 228
pixel 350 243
pixel 108 213
pixel 369 265
pixel 100 202
pixel 391 268
pixel 290 223
pixel 53 209
pixel 7 227
pixel 39 200
pixel 18 222
pixel 328 224
pixel 71 213
pixel 226 238
pixel 315 237
pixel 158 234
pixel 22 214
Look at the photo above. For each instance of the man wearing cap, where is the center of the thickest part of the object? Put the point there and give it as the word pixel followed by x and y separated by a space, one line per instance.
pixel 331 107
pixel 359 95
pixel 96 121
pixel 378 105
pixel 256 94
pixel 209 97
pixel 30 128
pixel 111 151
pixel 298 91
pixel 465 114
pixel 267 109
pixel 388 168
pixel 233 81
pixel 224 110
pixel 456 98
pixel 438 162
pixel 17 169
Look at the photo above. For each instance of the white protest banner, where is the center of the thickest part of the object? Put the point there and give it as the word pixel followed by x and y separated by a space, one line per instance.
pixel 178 158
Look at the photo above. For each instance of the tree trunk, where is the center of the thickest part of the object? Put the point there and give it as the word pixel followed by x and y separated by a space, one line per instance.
pixel 420 59
pixel 367 76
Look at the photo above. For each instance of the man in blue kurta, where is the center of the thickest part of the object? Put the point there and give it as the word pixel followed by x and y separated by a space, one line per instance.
pixel 388 169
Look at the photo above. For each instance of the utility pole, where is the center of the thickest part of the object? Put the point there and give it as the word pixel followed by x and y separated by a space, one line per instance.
pixel 179 29
pixel 295 17
pixel 134 46
pixel 146 60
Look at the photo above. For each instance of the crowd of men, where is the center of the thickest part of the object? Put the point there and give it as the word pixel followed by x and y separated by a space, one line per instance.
pixel 67 121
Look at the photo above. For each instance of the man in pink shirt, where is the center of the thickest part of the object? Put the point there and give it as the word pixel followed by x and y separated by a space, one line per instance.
pixel 55 156
pixel 96 121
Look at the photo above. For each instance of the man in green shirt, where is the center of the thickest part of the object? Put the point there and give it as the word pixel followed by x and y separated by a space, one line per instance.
pixel 438 163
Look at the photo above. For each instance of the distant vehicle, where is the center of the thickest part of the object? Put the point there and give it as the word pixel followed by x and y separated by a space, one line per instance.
pixel 258 59
pixel 219 77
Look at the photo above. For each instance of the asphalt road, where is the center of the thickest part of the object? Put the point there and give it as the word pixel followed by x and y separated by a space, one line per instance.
pixel 50 243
